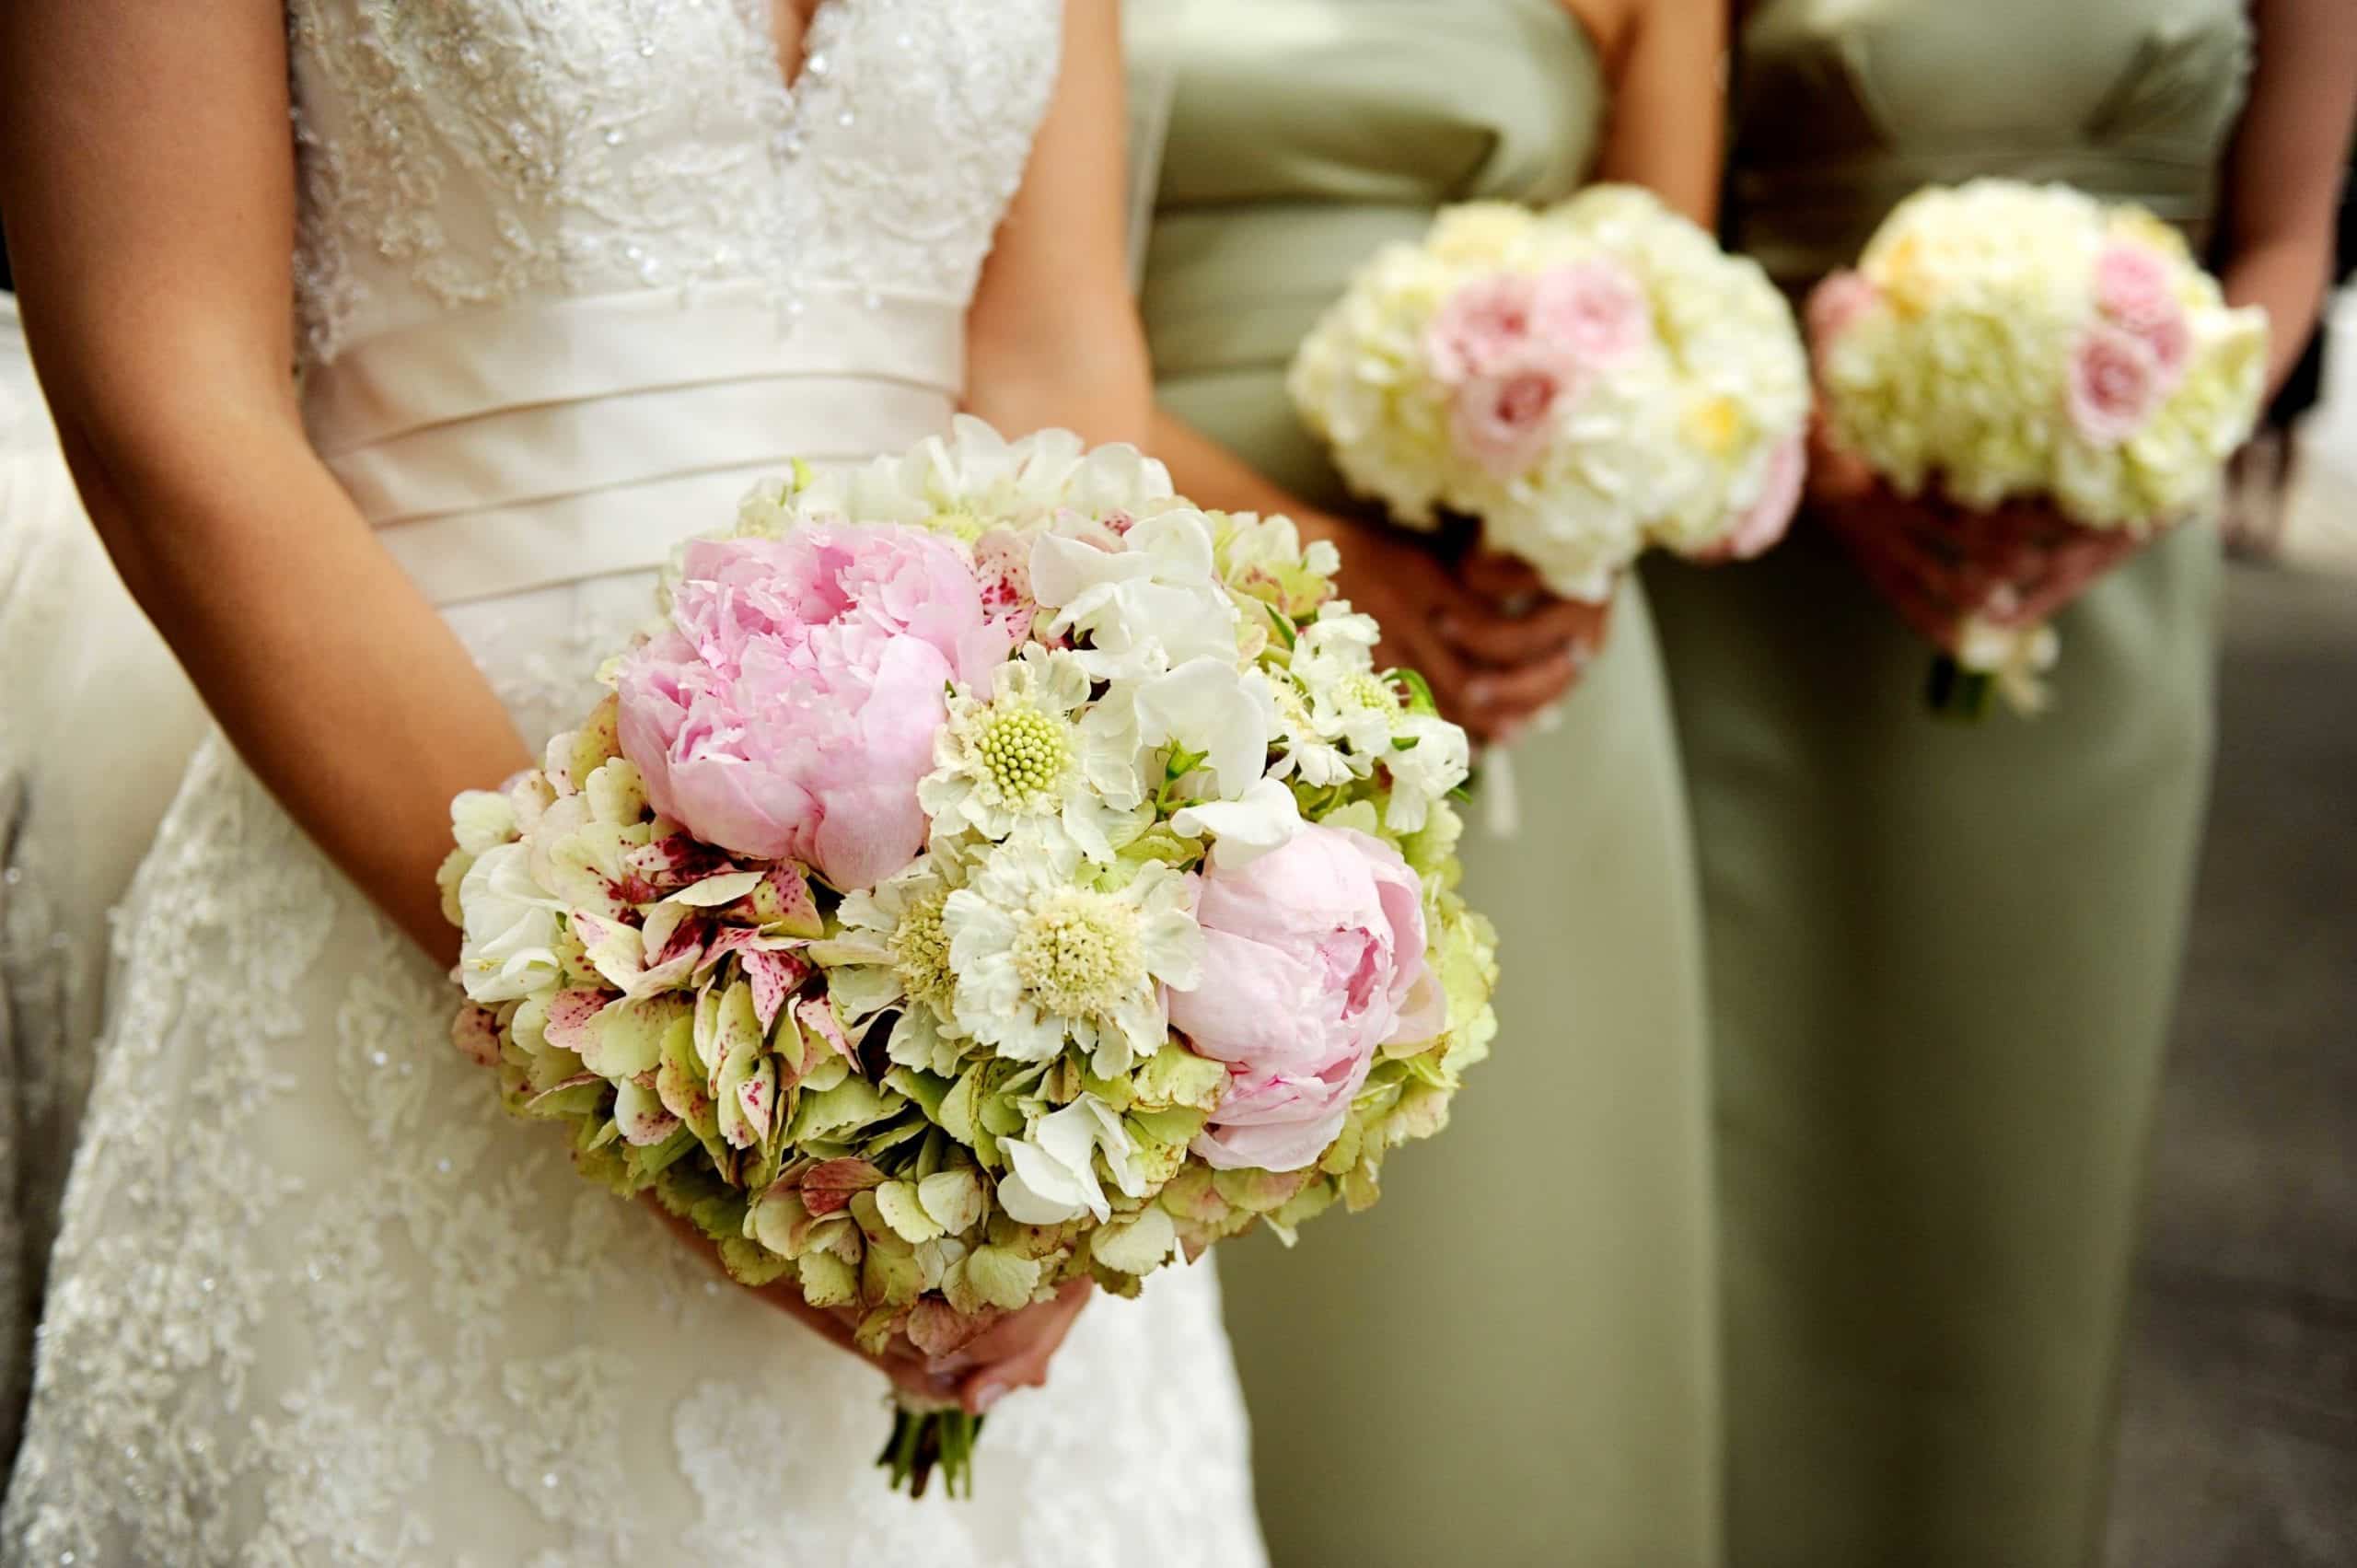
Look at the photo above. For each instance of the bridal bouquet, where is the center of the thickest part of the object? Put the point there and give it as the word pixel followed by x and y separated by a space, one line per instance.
pixel 2001 342
pixel 1585 381
pixel 992 871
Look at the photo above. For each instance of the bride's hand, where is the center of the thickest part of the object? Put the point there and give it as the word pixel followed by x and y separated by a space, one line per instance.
pixel 1495 648
pixel 1013 1353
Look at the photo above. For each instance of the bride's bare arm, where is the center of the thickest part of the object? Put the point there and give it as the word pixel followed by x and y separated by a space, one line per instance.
pixel 148 177
pixel 1053 339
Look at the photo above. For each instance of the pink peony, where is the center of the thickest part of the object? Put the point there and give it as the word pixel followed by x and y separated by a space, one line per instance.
pixel 1504 418
pixel 2132 291
pixel 1484 325
pixel 1835 305
pixel 1314 958
pixel 1765 522
pixel 789 709
pixel 2114 382
pixel 1594 309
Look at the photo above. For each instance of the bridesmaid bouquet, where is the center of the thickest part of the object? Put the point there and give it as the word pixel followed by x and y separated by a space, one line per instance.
pixel 1585 380
pixel 993 872
pixel 2001 343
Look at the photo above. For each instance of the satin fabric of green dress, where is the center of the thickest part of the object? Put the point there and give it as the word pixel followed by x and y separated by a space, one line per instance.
pixel 1943 957
pixel 1510 1359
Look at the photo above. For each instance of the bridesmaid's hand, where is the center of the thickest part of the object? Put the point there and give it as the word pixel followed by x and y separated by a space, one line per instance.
pixel 1493 662
pixel 1521 621
pixel 1939 564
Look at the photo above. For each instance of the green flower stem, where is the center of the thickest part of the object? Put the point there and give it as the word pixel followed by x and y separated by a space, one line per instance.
pixel 1956 693
pixel 929 1440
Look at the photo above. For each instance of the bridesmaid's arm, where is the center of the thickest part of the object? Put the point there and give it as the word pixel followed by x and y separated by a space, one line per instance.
pixel 1667 60
pixel 1053 338
pixel 2285 168
pixel 151 227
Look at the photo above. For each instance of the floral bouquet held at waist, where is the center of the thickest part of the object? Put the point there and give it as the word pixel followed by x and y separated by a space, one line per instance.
pixel 2048 380
pixel 992 873
pixel 1585 381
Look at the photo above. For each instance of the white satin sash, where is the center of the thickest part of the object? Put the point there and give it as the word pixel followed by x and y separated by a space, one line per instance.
pixel 511 450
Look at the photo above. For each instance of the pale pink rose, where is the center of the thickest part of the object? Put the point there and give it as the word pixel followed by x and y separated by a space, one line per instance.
pixel 1760 526
pixel 1835 305
pixel 1313 957
pixel 1483 325
pixel 2132 291
pixel 1595 309
pixel 789 709
pixel 2114 382
pixel 1504 418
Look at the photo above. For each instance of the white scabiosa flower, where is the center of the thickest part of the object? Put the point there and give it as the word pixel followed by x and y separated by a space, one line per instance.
pixel 1020 754
pixel 894 952
pixel 1045 957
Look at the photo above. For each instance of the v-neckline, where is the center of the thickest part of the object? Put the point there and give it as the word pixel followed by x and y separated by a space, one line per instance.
pixel 790 77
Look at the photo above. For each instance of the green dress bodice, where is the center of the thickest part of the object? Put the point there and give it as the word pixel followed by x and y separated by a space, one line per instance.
pixel 1843 107
pixel 1304 135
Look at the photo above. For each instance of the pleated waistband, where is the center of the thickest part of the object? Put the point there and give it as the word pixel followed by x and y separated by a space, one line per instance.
pixel 519 448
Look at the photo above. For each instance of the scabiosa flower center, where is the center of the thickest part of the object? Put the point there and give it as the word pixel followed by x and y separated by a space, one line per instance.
pixel 957 522
pixel 1369 691
pixel 1024 752
pixel 1079 955
pixel 921 954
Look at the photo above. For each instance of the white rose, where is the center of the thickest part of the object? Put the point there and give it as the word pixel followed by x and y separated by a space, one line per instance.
pixel 510 926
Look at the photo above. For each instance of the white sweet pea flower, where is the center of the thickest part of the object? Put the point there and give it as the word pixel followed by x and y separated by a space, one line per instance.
pixel 1053 1175
pixel 1434 760
pixel 1042 958
pixel 1265 818
pixel 1021 754
pixel 1155 603
pixel 510 926
pixel 1209 708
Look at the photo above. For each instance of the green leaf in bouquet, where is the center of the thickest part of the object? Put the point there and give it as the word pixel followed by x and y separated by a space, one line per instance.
pixel 1420 693
pixel 1360 1189
pixel 780 1221
pixel 827 1280
pixel 998 1277
pixel 899 1204
pixel 578 1096
pixel 750 1263
pixel 960 1112
pixel 1176 1076
pixel 1343 1152
pixel 881 1138
pixel 1259 1191
pixel 650 1161
pixel 1135 1244
pixel 680 1082
pixel 952 1198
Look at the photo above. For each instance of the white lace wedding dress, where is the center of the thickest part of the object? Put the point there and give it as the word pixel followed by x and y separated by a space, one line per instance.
pixel 572 272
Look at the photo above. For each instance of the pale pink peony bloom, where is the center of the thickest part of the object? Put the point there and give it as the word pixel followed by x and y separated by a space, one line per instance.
pixel 1764 523
pixel 2115 383
pixel 1593 308
pixel 1835 305
pixel 789 709
pixel 1314 955
pixel 2132 291
pixel 1484 325
pixel 1504 418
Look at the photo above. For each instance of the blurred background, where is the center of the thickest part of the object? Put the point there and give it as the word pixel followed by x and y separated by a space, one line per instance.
pixel 2238 1436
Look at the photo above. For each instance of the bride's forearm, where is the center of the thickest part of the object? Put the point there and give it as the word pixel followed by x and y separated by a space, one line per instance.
pixel 325 667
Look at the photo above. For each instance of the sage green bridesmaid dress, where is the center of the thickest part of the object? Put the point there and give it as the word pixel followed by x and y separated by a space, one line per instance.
pixel 1941 956
pixel 1511 1359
